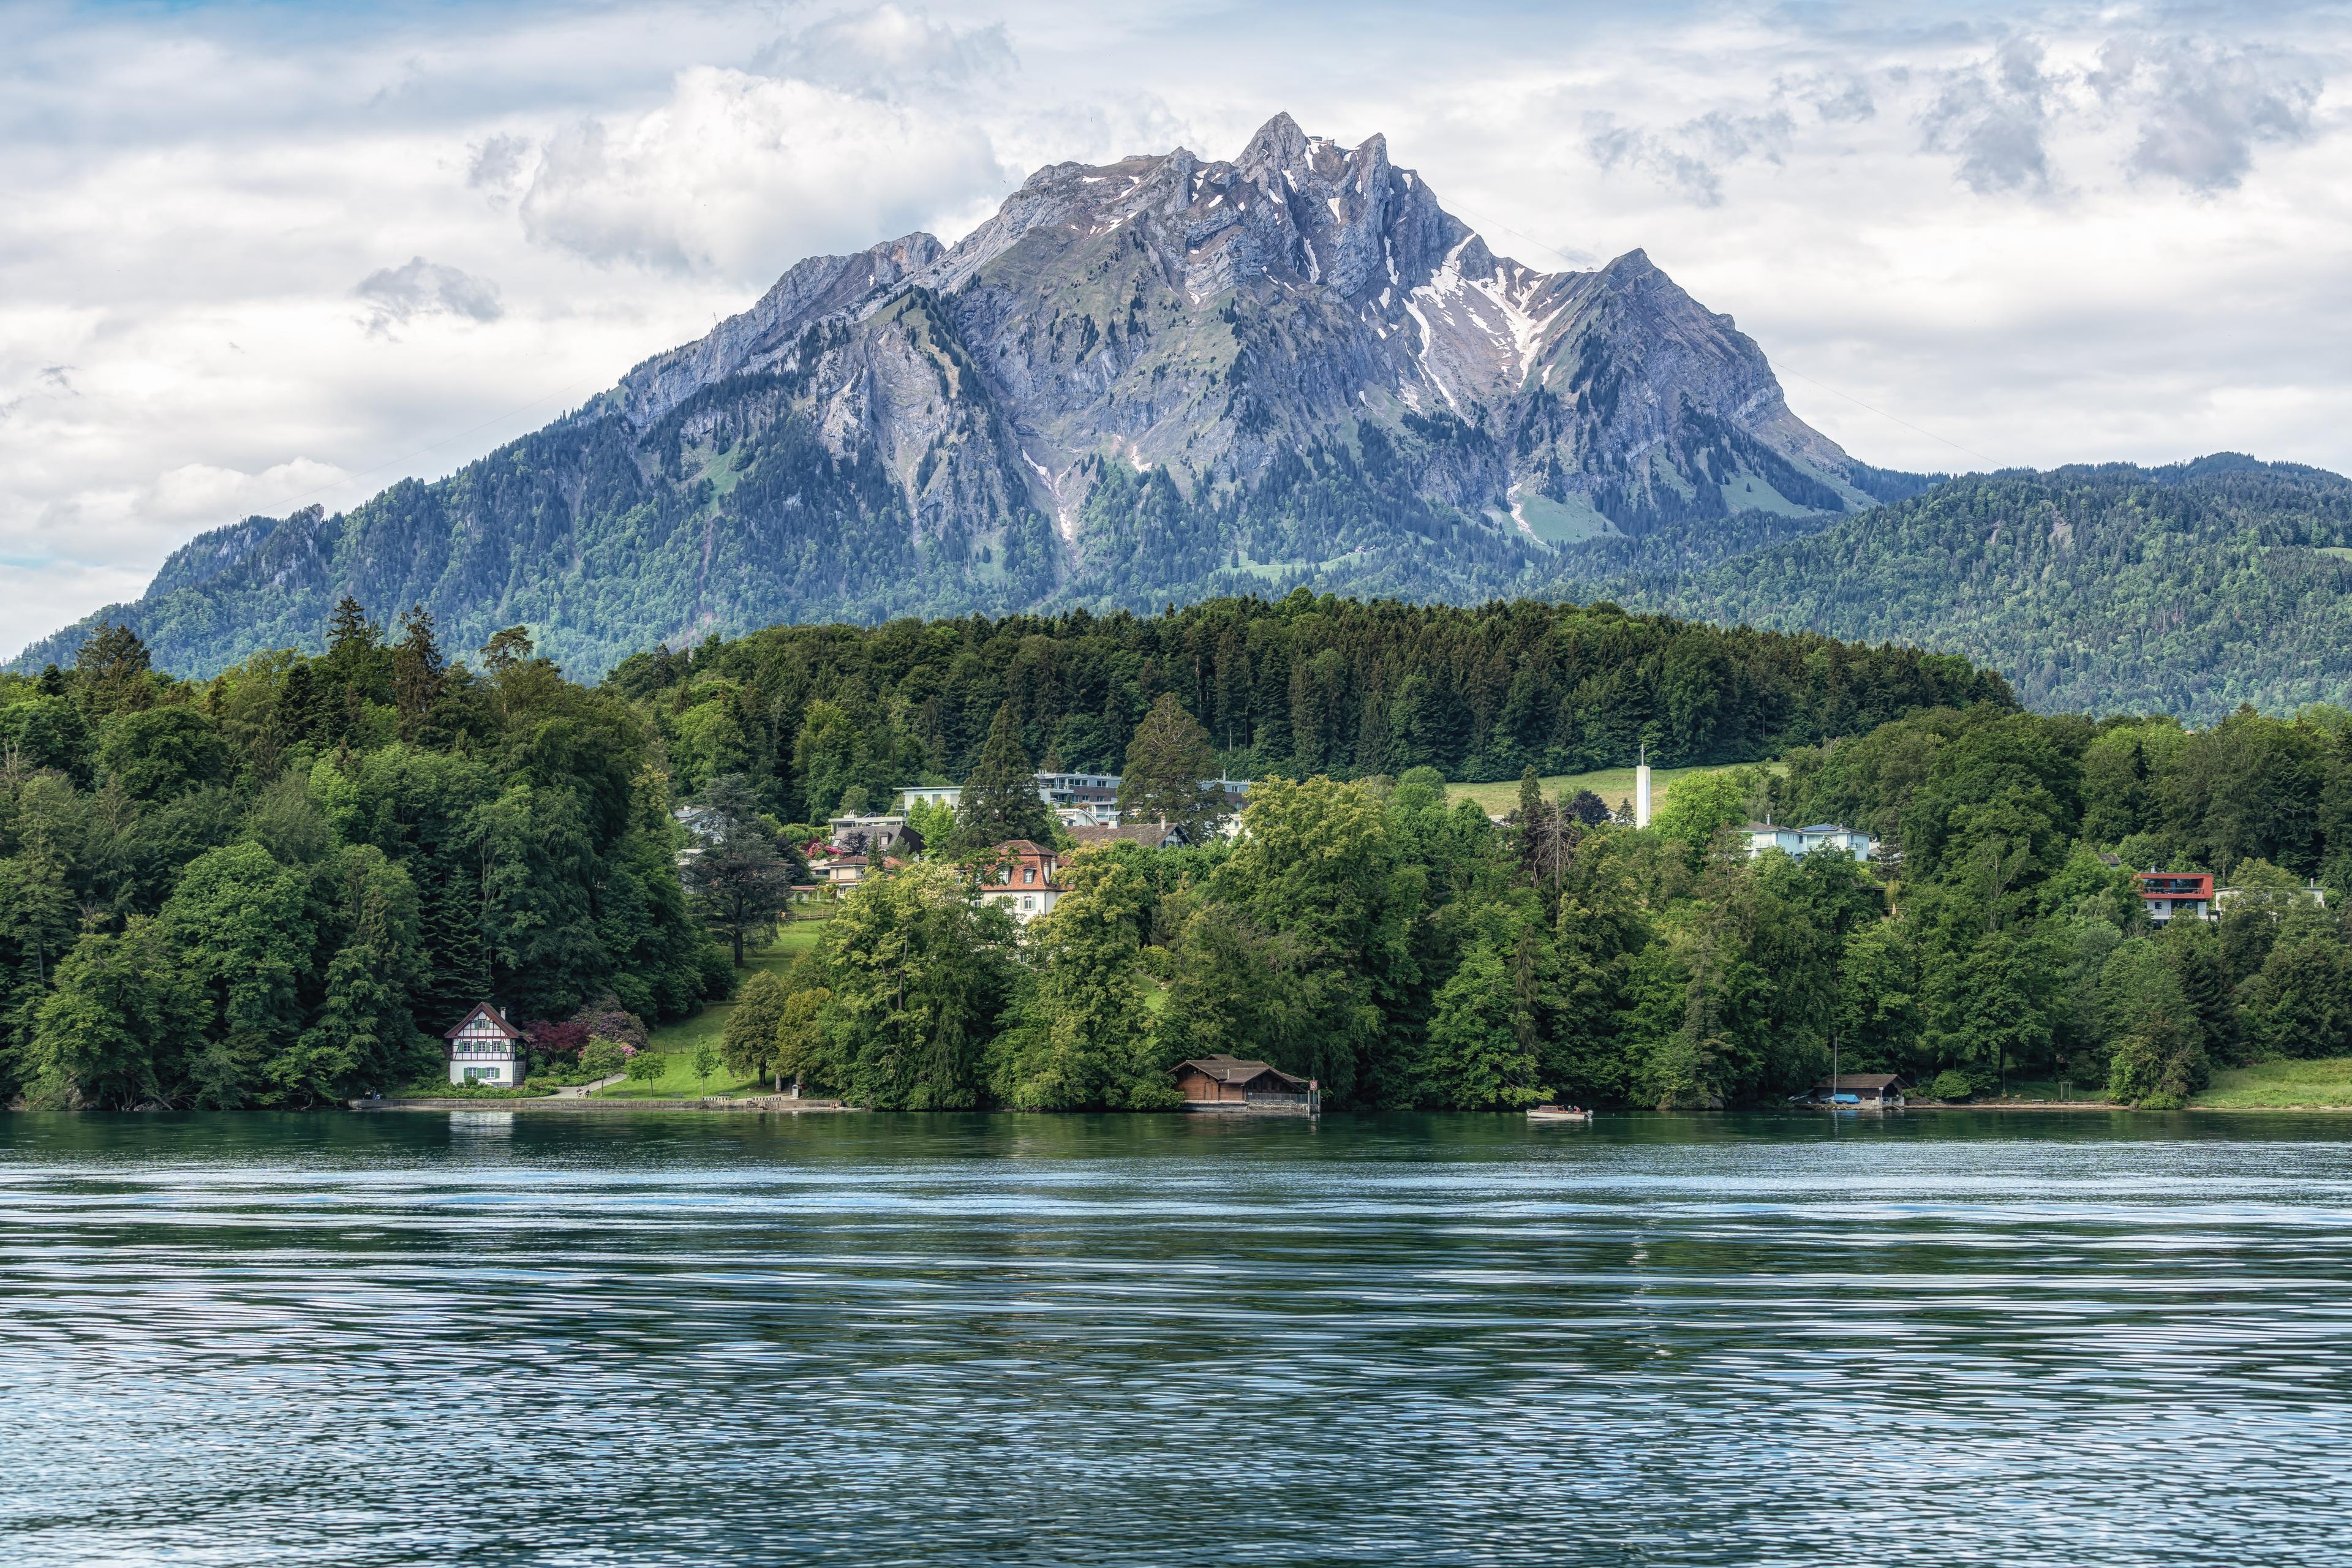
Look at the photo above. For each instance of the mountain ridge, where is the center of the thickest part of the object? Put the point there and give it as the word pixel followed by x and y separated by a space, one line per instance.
pixel 1157 378
pixel 2184 588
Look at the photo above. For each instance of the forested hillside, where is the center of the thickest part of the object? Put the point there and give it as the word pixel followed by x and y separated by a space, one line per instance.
pixel 2185 590
pixel 1406 950
pixel 273 887
pixel 278 887
pixel 1300 686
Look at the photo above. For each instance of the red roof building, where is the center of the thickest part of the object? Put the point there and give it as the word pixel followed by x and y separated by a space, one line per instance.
pixel 1022 879
pixel 2166 894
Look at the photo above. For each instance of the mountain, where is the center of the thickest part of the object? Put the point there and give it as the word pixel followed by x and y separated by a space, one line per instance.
pixel 2187 589
pixel 1155 379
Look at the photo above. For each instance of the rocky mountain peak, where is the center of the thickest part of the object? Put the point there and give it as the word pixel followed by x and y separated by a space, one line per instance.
pixel 1135 380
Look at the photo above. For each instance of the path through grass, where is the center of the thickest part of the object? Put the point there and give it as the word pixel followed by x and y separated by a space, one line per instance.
pixel 675 1043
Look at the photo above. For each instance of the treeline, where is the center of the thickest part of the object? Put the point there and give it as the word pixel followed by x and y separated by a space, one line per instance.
pixel 820 718
pixel 1410 953
pixel 279 886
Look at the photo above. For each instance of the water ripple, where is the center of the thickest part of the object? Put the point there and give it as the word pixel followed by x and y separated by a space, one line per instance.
pixel 878 1341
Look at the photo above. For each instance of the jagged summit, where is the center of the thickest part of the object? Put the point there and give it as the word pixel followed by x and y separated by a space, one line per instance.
pixel 1134 381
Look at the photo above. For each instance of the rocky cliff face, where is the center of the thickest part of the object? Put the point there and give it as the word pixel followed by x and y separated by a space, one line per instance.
pixel 1151 379
pixel 1209 318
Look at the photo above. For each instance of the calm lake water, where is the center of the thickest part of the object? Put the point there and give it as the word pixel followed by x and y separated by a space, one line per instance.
pixel 1945 1338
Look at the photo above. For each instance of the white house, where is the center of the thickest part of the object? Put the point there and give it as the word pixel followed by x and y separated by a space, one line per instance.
pixel 1802 841
pixel 1078 800
pixel 1021 880
pixel 485 1049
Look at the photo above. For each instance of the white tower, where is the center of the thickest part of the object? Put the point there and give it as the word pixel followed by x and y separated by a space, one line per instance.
pixel 1641 788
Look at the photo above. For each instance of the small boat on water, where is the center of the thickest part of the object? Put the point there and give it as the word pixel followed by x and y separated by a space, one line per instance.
pixel 1558 1113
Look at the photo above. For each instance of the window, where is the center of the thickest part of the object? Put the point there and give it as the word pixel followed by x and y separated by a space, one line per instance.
pixel 1028 903
pixel 1030 875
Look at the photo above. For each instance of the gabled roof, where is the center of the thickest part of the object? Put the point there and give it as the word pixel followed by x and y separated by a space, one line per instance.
pixel 1237 1070
pixel 484 1010
pixel 1846 1080
pixel 1021 847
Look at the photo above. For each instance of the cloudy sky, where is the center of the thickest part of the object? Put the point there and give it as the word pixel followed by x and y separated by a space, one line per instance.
pixel 259 255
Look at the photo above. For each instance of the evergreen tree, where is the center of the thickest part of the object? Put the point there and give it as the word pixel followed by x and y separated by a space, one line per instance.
pixel 1167 763
pixel 2300 1003
pixel 2195 955
pixel 1000 794
pixel 734 875
pixel 111 673
pixel 418 672
pixel 366 1034
pixel 120 1027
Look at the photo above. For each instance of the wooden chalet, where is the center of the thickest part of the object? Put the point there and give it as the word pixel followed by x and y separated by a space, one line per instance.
pixel 1237 1083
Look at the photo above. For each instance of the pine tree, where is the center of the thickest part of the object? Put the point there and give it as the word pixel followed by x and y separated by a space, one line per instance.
pixel 1000 794
pixel 418 672
pixel 354 670
pixel 1530 810
pixel 350 633
pixel 112 672
pixel 735 877
pixel 294 712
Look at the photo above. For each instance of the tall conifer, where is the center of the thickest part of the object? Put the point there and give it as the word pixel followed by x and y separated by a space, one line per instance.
pixel 1000 796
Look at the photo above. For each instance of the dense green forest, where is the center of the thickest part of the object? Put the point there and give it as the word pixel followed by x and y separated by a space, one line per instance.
pixel 817 716
pixel 278 887
pixel 1410 952
pixel 2185 590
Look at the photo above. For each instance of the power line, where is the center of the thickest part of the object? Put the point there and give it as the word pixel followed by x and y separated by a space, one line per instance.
pixel 1881 413
pixel 435 445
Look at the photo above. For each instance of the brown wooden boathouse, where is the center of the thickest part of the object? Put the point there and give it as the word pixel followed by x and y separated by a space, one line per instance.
pixel 1221 1082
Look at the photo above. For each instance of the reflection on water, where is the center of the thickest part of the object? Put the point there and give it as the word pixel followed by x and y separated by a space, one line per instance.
pixel 1939 1338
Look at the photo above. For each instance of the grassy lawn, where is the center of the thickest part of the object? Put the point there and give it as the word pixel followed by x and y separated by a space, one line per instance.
pixel 675 1042
pixel 677 1079
pixel 2327 1080
pixel 1614 786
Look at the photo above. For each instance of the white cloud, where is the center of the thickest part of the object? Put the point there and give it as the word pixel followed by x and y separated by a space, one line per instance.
pixel 2046 231
pixel 741 176
pixel 397 295
pixel 1992 116
pixel 2203 108
pixel 888 52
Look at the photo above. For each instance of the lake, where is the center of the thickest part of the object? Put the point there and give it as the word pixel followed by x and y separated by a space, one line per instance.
pixel 489 1338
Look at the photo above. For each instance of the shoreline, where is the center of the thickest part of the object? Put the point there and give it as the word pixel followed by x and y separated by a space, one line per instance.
pixel 765 1103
